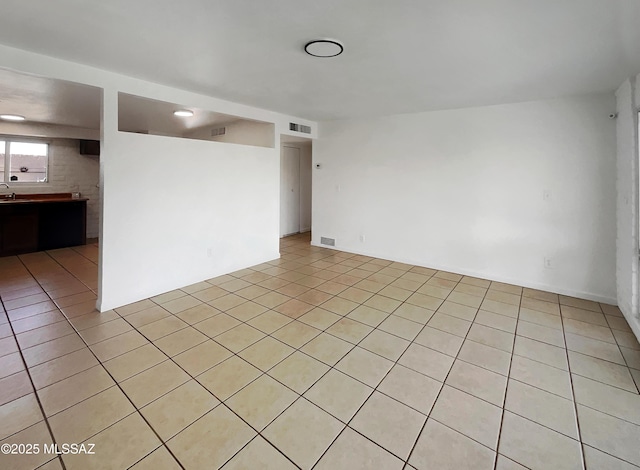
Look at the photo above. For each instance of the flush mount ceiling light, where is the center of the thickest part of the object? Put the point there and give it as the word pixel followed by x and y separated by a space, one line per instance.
pixel 12 117
pixel 183 113
pixel 323 48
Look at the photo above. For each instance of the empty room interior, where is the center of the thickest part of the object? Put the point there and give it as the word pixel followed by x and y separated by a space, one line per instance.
pixel 320 235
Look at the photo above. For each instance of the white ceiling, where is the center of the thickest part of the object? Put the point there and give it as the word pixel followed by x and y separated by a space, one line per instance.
pixel 400 56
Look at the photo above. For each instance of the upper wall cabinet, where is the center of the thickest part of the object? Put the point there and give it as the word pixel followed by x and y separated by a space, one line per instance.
pixel 146 116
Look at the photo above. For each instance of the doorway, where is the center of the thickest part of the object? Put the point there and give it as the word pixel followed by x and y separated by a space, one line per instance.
pixel 295 185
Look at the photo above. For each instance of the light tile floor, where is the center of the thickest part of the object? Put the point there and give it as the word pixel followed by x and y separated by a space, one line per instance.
pixel 321 359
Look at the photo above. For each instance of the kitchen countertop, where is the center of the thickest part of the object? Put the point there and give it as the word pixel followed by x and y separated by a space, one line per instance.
pixel 40 198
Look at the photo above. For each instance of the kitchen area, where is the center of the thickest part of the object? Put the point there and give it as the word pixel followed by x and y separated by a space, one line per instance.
pixel 49 164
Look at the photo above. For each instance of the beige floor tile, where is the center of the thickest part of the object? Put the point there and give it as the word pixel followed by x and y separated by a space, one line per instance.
pixel 181 304
pixel 118 345
pixel 161 328
pixel 168 296
pixel 57 369
pixel 266 353
pixel 497 321
pixel 171 413
pixel 541 352
pixel 601 333
pixel 29 310
pixel 427 361
pixel 389 423
pixel 339 306
pixel 469 415
pixel 261 401
pixel 52 349
pixel 626 339
pixel 632 357
pixel 580 303
pixel 145 387
pixel 445 449
pixel 159 459
pixel 364 366
pixel 246 311
pixel 292 290
pixel 45 333
pixel 401 327
pixel 504 297
pixel 384 344
pixel 470 289
pixel 271 299
pixel 479 382
pixel 314 297
pixel 228 377
pixel 296 334
pixel 217 325
pixel 214 292
pixel 294 308
pixel 240 337
pixel 537 332
pixel 449 324
pixel 92 319
pixel 14 386
pixel 613 401
pixel 414 313
pixel 134 307
pixel 424 301
pixel 349 330
pixel 411 388
pixel 303 432
pixel 458 310
pixel 211 440
pixel 39 435
pixel 485 356
pixel 474 281
pixel 259 450
pixel 602 371
pixel 197 314
pixel 331 287
pixel 327 348
pixel 351 451
pixel 536 446
pixel 90 416
pixel 37 321
pixel 197 287
pixel 619 323
pixel 180 341
pixel 499 308
pixel 19 414
pixel 368 315
pixel 542 407
pixel 541 318
pixel 382 303
pixel 598 459
pixel 134 362
pixel 503 463
pixel 593 347
pixel 440 340
pixel 609 434
pixel 488 336
pixel 339 394
pixel 587 316
pixel 319 318
pixel 299 372
pixel 105 331
pixel 269 321
pixel 508 288
pixel 68 392
pixel 539 295
pixel 226 302
pixel 465 299
pixel 407 284
pixel 541 376
pixel 118 446
pixel 148 315
pixel 434 291
pixel 202 357
pixel 369 286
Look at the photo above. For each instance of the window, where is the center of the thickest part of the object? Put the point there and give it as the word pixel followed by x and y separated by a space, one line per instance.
pixel 23 161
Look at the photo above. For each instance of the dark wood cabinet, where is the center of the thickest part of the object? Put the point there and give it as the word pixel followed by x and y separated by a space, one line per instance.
pixel 35 225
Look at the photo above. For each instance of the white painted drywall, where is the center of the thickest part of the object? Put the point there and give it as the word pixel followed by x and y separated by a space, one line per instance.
pixel 627 203
pixel 462 190
pixel 168 201
pixel 241 131
pixel 305 186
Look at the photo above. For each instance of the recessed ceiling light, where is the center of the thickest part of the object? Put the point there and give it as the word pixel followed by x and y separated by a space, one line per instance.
pixel 323 48
pixel 183 113
pixel 12 117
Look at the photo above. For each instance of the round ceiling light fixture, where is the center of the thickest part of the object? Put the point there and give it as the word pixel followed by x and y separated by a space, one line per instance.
pixel 12 117
pixel 323 48
pixel 183 113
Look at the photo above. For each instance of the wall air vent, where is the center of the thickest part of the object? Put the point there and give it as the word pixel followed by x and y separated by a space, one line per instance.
pixel 218 131
pixel 327 241
pixel 299 128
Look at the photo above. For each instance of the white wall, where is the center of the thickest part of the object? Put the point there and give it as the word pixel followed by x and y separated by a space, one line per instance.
pixel 70 172
pixel 462 190
pixel 161 220
pixel 306 178
pixel 627 203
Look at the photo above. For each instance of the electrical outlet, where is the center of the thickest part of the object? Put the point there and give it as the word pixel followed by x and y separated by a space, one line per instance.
pixel 362 239
pixel 548 263
pixel 546 195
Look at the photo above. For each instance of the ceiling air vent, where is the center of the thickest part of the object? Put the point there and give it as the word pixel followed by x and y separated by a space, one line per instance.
pixel 218 131
pixel 299 128
pixel 327 241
